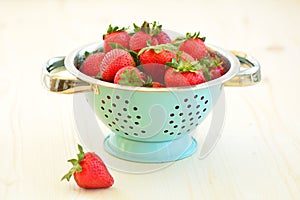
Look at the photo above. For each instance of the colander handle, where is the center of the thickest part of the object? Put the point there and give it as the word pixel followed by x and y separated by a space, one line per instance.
pixel 59 84
pixel 249 71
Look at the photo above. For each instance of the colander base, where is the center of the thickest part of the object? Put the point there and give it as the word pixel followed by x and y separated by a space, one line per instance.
pixel 150 152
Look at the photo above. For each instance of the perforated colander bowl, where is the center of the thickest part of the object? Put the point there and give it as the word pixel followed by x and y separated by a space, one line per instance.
pixel 148 124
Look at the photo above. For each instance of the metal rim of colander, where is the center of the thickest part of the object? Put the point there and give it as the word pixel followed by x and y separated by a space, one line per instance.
pixel 69 64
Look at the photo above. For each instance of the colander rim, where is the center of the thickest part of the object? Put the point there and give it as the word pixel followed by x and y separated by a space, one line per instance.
pixel 69 64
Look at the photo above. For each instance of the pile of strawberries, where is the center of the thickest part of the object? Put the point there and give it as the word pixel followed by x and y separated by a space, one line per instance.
pixel 148 57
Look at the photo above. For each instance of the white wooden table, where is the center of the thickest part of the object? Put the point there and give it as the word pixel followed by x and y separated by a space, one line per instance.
pixel 258 155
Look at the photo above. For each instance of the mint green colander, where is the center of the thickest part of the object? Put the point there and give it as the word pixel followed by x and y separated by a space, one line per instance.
pixel 148 124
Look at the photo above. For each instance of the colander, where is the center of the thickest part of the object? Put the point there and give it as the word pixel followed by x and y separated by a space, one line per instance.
pixel 149 124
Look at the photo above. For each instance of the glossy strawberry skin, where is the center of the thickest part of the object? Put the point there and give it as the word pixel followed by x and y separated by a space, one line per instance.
pixel 94 173
pixel 154 63
pixel 113 61
pixel 139 41
pixel 194 47
pixel 120 37
pixel 91 65
pixel 180 79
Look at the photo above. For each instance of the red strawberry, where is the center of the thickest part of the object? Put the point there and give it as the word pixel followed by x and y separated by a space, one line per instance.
pixel 113 61
pixel 145 35
pixel 130 76
pixel 89 171
pixel 185 56
pixel 157 85
pixel 183 73
pixel 116 36
pixel 163 38
pixel 140 39
pixel 178 79
pixel 194 45
pixel 216 72
pixel 213 66
pixel 91 65
pixel 153 60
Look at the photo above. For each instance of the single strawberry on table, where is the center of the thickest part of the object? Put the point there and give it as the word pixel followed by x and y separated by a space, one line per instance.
pixel 113 61
pixel 116 36
pixel 91 65
pixel 89 171
pixel 183 73
pixel 193 45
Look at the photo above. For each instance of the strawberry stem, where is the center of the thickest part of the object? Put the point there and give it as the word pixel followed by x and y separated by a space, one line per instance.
pixel 76 164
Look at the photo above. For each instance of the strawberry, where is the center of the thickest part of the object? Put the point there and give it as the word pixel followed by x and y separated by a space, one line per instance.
pixel 161 36
pixel 185 56
pixel 216 72
pixel 89 171
pixel 154 58
pixel 130 76
pixel 91 65
pixel 193 45
pixel 212 66
pixel 157 85
pixel 183 73
pixel 140 39
pixel 116 35
pixel 145 36
pixel 113 61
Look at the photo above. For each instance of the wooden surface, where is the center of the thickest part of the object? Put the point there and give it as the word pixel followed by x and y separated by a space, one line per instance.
pixel 258 155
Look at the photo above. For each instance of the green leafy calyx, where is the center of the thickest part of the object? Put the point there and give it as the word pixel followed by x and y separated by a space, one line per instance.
pixel 76 164
pixel 183 66
pixel 112 29
pixel 150 28
pixel 195 36
pixel 159 48
pixel 131 78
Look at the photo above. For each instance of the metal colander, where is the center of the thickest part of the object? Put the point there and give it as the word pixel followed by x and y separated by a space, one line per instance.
pixel 148 124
